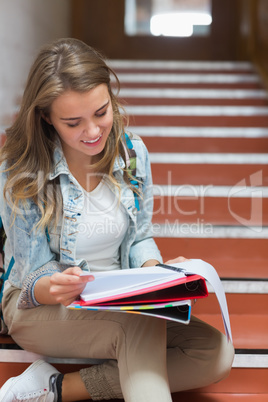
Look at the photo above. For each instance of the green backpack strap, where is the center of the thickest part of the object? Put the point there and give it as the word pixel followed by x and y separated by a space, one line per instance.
pixel 132 168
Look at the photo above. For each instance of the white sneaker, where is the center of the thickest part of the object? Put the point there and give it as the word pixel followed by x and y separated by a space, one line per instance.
pixel 32 385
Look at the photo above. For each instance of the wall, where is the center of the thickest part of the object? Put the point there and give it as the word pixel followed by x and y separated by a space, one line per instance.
pixel 24 26
pixel 261 38
pixel 253 33
pixel 101 24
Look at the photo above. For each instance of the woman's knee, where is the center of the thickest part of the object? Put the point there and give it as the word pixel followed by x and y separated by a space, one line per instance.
pixel 212 346
pixel 225 358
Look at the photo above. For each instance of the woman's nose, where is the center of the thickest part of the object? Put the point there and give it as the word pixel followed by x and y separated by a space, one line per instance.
pixel 92 129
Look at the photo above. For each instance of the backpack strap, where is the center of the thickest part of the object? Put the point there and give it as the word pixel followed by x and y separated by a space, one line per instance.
pixel 2 236
pixel 4 276
pixel 132 168
pixel 5 272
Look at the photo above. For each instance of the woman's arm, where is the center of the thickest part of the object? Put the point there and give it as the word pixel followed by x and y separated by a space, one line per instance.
pixel 150 263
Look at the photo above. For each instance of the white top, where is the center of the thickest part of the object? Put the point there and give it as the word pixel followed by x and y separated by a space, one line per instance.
pixel 103 227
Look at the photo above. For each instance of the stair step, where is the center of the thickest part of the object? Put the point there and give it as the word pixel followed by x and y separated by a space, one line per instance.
pixel 156 132
pixel 192 77
pixel 244 358
pixel 200 110
pixel 195 86
pixel 251 305
pixel 248 330
pixel 204 230
pixel 206 174
pixel 213 145
pixel 182 70
pixel 199 121
pixel 193 208
pixel 167 65
pixel 194 102
pixel 240 381
pixel 189 70
pixel 243 286
pixel 209 158
pixel 160 94
pixel 231 257
pixel 218 397
pixel 190 107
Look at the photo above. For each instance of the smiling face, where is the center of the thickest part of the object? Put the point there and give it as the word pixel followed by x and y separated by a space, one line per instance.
pixel 83 121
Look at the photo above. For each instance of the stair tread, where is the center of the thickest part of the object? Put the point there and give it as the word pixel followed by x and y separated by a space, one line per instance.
pixel 190 69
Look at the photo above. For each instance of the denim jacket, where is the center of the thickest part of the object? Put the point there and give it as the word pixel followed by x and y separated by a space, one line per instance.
pixel 40 253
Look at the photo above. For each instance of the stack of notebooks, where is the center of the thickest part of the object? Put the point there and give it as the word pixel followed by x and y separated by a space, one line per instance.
pixel 164 291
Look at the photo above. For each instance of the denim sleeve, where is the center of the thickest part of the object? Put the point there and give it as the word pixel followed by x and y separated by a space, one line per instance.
pixel 25 242
pixel 26 299
pixel 144 247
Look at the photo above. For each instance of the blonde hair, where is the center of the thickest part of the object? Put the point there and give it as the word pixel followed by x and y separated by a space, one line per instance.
pixel 66 64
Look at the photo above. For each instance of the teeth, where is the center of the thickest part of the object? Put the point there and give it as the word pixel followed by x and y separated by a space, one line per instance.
pixel 92 142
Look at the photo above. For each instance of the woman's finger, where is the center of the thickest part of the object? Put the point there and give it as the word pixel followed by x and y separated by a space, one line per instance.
pixel 68 278
pixel 176 260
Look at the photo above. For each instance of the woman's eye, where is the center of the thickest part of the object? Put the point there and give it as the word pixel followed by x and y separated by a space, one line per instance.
pixel 73 125
pixel 102 114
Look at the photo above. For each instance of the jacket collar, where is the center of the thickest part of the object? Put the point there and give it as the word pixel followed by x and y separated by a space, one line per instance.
pixel 61 167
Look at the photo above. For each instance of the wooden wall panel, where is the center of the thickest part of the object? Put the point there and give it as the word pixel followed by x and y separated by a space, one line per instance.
pixel 252 34
pixel 261 42
pixel 244 32
pixel 224 30
pixel 239 32
pixel 101 24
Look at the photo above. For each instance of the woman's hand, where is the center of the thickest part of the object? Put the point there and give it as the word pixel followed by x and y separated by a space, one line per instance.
pixel 176 260
pixel 151 263
pixel 66 286
pixel 62 287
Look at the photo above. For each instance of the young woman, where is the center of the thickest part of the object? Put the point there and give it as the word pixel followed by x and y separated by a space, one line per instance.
pixel 68 206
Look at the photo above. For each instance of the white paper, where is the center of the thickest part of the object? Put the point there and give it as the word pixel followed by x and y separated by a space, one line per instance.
pixel 125 280
pixel 131 279
pixel 208 272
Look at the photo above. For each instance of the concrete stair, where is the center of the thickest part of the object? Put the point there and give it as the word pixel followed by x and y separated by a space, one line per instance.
pixel 206 127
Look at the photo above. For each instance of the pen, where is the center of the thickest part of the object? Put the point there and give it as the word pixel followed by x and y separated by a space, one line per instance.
pixel 177 269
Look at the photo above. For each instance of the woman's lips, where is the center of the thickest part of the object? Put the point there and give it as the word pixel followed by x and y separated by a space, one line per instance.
pixel 92 142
